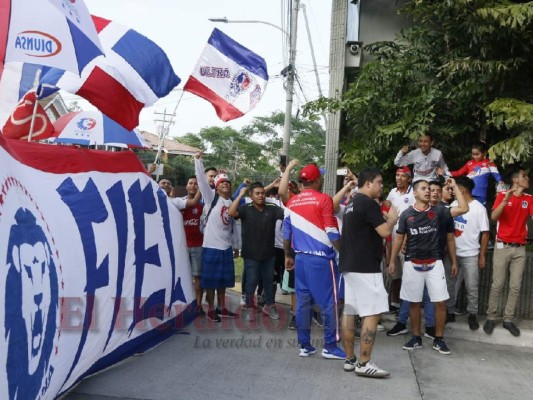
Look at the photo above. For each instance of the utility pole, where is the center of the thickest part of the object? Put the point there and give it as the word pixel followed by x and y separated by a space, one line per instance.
pixel 291 69
pixel 162 130
pixel 302 6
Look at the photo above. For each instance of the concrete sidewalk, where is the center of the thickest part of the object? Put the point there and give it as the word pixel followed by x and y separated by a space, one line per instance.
pixel 233 360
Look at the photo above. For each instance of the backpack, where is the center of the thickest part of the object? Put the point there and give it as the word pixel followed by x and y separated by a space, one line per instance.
pixel 206 212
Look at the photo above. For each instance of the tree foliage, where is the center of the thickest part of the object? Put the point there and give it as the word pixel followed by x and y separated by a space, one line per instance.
pixel 463 71
pixel 253 151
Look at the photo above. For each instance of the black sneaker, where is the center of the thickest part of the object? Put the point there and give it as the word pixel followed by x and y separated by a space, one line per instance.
pixel 398 329
pixel 212 316
pixel 441 347
pixel 472 322
pixel 292 324
pixel 413 344
pixel 450 318
pixel 317 318
pixel 430 332
pixel 489 325
pixel 225 313
pixel 512 328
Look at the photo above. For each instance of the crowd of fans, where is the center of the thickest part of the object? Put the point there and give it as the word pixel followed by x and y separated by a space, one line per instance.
pixel 349 259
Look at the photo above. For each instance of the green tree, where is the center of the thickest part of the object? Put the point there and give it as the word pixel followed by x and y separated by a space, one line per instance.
pixel 462 71
pixel 191 139
pixel 308 138
pixel 253 152
pixel 229 149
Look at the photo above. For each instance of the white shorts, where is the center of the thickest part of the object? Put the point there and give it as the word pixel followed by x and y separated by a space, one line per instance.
pixel 364 294
pixel 413 282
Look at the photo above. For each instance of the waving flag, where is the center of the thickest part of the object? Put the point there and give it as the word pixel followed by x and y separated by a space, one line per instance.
pixel 17 79
pixel 228 75
pixel 19 123
pixel 55 33
pixel 134 74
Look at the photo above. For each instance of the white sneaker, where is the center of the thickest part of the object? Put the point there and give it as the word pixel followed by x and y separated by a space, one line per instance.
pixel 271 311
pixel 371 370
pixel 243 300
pixel 380 328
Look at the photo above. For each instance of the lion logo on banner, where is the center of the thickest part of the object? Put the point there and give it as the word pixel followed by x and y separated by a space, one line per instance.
pixel 31 307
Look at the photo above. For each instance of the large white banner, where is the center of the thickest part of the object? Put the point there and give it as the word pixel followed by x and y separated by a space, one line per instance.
pixel 93 265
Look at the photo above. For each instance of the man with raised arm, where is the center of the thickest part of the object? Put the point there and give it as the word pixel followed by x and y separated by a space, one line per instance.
pixel 421 223
pixel 220 240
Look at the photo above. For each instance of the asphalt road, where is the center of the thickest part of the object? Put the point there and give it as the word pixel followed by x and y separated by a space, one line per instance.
pixel 233 360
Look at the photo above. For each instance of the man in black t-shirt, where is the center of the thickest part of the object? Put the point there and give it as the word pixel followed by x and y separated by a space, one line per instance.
pixel 363 231
pixel 258 232
pixel 422 224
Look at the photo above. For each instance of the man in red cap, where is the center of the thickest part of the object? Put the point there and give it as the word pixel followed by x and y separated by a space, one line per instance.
pixel 311 236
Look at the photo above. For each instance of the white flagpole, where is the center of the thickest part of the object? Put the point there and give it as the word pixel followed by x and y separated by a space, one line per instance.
pixel 36 82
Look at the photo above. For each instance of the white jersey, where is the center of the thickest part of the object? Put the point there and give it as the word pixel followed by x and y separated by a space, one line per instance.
pixel 179 202
pixel 219 232
pixel 424 165
pixel 468 228
pixel 339 215
pixel 278 240
pixel 402 201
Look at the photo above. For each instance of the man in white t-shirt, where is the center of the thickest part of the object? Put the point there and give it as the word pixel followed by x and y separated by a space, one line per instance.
pixel 402 198
pixel 220 240
pixel 471 254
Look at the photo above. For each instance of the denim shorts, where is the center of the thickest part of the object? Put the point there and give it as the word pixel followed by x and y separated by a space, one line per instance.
pixel 195 257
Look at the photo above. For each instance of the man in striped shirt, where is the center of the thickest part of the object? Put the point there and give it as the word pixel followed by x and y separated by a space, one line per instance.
pixel 311 236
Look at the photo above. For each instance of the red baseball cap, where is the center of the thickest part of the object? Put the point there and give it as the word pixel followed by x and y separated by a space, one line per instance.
pixel 310 173
pixel 221 178
pixel 404 170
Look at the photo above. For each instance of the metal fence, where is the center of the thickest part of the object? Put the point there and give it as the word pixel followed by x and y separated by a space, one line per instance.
pixel 525 302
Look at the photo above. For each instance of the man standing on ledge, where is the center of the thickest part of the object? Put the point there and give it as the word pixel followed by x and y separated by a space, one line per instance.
pixel 311 236
pixel 363 231
pixel 511 209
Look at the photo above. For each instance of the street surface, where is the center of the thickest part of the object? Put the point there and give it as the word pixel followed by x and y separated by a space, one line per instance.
pixel 232 361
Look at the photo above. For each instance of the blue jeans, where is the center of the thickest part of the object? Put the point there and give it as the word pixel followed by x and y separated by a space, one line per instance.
pixel 255 270
pixel 429 310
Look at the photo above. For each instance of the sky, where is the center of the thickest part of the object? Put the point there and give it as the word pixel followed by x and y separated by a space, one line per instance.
pixel 181 28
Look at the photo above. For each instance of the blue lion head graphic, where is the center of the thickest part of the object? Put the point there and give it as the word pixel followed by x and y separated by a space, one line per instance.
pixel 31 306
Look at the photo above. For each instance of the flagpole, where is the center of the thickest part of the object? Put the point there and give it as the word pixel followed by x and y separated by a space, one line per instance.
pixel 32 123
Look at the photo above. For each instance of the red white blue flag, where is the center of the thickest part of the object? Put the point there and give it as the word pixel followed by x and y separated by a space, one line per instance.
pixel 228 75
pixel 16 80
pixel 134 73
pixel 55 33
pixel 19 123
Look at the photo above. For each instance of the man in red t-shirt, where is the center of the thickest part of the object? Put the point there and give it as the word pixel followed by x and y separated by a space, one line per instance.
pixel 195 238
pixel 511 209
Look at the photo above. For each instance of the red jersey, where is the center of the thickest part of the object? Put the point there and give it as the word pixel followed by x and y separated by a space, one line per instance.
pixel 512 224
pixel 191 223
